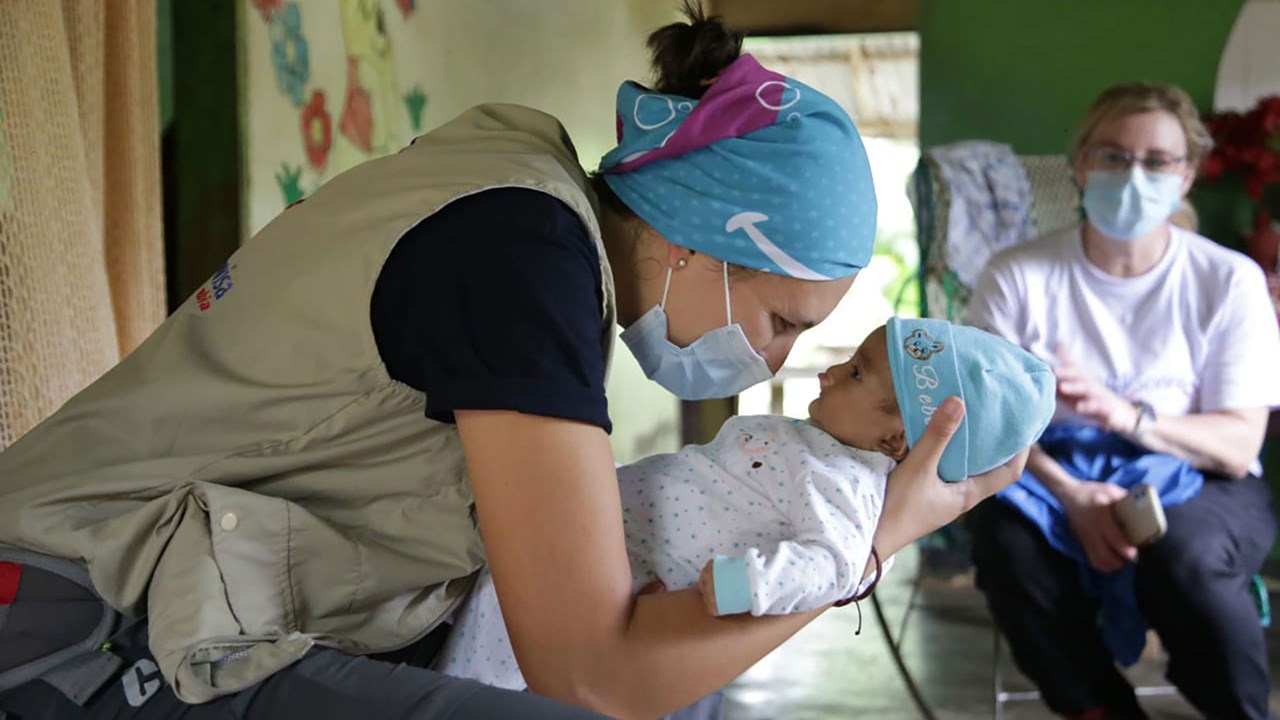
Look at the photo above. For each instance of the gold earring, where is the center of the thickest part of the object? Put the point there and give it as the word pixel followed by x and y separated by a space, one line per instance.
pixel 682 262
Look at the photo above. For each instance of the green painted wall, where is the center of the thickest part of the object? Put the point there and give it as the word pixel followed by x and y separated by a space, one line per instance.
pixel 1024 71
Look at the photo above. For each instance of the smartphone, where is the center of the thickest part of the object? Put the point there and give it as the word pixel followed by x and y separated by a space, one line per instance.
pixel 1140 515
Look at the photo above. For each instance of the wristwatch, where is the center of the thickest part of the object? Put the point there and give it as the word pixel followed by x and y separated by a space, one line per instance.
pixel 1146 418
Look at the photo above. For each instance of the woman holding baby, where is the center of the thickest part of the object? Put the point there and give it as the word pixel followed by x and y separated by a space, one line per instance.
pixel 288 525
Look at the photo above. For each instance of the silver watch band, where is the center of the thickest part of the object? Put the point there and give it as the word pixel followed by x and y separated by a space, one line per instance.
pixel 1146 417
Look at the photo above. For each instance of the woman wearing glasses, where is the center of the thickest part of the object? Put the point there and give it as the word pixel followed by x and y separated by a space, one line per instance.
pixel 1165 346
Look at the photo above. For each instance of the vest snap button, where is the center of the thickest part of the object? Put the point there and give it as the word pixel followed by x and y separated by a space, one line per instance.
pixel 229 522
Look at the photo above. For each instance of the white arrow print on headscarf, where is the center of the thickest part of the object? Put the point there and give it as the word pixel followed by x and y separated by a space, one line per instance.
pixel 747 221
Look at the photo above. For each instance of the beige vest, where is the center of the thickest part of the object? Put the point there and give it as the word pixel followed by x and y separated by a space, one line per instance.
pixel 251 478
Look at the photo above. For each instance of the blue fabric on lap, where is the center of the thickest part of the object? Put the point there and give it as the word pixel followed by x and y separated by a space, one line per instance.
pixel 1090 453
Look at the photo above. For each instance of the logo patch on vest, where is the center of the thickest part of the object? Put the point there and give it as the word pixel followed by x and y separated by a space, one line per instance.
pixel 220 284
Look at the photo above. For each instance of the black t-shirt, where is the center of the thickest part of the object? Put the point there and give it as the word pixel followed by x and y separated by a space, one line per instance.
pixel 494 303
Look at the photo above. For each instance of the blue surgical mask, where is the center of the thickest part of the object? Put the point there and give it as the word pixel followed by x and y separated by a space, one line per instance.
pixel 1128 205
pixel 719 364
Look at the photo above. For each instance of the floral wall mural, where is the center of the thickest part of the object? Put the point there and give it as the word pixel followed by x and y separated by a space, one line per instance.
pixel 289 52
pixel 325 92
pixel 317 131
pixel 331 83
pixel 372 115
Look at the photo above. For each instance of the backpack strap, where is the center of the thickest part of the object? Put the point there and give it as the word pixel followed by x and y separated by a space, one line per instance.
pixel 80 667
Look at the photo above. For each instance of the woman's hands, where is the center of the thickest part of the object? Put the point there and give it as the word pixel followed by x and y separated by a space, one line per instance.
pixel 917 501
pixel 1089 507
pixel 1092 400
pixel 1225 441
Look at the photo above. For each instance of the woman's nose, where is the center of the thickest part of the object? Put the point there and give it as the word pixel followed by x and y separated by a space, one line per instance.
pixel 778 352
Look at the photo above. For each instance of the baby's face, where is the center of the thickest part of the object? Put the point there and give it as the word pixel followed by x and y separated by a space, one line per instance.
pixel 857 405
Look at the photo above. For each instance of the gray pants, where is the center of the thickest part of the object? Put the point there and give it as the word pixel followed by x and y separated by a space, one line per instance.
pixel 324 684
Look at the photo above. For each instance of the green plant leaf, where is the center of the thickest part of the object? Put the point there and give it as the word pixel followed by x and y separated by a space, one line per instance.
pixel 288 179
pixel 415 101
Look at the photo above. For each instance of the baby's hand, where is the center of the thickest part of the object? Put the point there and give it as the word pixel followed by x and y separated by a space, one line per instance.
pixel 707 584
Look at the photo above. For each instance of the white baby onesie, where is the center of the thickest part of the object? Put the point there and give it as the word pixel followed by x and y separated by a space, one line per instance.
pixel 771 495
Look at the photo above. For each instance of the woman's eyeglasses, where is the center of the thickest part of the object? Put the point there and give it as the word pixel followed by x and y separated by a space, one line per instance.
pixel 1116 159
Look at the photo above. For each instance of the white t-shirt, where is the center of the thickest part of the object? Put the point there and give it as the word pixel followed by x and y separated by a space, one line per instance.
pixel 1196 333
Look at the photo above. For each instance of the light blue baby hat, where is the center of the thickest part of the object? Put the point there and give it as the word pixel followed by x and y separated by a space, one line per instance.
pixel 1008 393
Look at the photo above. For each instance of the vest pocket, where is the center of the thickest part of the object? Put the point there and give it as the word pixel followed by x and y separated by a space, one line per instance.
pixel 280 564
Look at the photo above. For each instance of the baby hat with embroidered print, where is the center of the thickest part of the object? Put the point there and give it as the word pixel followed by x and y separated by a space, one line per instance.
pixel 1008 393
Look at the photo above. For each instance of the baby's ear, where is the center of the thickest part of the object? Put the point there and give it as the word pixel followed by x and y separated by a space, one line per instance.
pixel 895 446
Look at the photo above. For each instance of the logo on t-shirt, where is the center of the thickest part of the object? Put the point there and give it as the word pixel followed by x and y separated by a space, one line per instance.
pixel 1144 386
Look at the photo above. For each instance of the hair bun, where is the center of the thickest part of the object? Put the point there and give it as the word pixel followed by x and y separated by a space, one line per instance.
pixel 687 56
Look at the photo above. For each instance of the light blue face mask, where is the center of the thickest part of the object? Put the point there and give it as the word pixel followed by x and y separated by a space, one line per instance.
pixel 719 364
pixel 1128 205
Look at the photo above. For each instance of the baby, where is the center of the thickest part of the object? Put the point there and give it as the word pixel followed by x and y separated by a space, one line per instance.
pixel 776 515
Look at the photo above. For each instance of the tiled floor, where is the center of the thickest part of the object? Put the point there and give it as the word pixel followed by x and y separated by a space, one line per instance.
pixel 828 673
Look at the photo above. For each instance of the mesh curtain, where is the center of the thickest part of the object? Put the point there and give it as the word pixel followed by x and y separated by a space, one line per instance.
pixel 81 249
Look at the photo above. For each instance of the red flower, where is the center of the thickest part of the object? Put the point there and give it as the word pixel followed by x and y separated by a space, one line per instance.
pixel 317 131
pixel 406 6
pixel 1246 146
pixel 1254 186
pixel 1265 172
pixel 1213 167
pixel 267 8
pixel 1269 109
pixel 1221 125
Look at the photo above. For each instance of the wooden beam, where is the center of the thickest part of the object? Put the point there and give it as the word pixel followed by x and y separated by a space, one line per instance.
pixel 807 17
pixel 201 147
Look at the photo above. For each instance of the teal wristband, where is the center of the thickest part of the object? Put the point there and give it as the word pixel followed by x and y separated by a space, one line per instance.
pixel 733 589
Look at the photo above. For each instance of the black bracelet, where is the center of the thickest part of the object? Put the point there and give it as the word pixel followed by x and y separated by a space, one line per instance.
pixel 875 580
